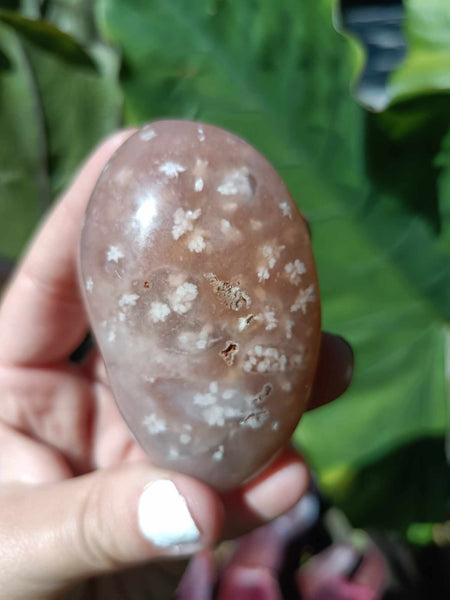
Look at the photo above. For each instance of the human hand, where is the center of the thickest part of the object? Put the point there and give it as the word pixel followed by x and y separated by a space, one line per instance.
pixel 78 497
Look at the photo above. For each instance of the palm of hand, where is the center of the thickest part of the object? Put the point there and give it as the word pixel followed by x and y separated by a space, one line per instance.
pixel 68 414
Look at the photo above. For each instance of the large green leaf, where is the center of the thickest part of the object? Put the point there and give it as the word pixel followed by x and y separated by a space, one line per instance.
pixel 427 64
pixel 443 162
pixel 278 74
pixel 52 113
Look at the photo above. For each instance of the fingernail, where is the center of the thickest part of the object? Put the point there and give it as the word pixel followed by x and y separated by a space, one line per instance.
pixel 164 518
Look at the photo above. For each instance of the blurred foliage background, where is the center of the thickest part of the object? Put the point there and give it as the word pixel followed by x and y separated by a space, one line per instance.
pixel 370 168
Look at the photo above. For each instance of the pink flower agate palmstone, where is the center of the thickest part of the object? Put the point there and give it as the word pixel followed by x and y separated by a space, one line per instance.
pixel 202 293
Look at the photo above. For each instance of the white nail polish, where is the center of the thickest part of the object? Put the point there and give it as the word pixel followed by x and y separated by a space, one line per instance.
pixel 164 518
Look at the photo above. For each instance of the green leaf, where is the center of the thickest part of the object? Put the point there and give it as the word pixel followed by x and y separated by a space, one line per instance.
pixel 279 75
pixel 22 177
pixel 52 114
pixel 75 17
pixel 80 108
pixel 5 63
pixel 443 162
pixel 48 37
pixel 426 68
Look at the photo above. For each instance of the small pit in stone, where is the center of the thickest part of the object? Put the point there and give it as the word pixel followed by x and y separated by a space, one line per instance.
pixel 229 352
pixel 252 182
pixel 256 418
pixel 262 396
pixel 146 284
pixel 244 322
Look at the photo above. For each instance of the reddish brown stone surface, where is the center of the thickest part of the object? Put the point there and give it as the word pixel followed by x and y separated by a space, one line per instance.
pixel 202 293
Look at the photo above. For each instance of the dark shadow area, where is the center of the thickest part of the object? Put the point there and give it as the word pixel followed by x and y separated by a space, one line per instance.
pixel 10 4
pixel 433 563
pixel 314 539
pixel 409 485
pixel 348 4
pixel 401 147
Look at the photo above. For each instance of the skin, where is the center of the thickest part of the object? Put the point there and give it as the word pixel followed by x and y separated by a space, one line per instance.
pixel 70 472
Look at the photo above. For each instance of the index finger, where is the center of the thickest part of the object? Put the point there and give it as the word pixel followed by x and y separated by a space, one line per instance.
pixel 42 319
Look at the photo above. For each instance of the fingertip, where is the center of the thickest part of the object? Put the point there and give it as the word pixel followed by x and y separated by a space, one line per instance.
pixel 176 515
pixel 108 146
pixel 279 489
pixel 273 492
pixel 334 370
pixel 205 507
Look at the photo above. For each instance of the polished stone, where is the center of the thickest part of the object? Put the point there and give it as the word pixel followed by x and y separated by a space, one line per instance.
pixel 202 293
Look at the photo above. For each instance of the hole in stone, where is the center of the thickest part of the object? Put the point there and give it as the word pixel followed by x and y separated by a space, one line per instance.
pixel 262 396
pixel 229 352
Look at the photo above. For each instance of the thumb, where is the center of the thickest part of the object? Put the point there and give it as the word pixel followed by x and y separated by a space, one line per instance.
pixel 52 536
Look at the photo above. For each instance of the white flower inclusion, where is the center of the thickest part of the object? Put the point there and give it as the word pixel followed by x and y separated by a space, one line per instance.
pixel 198 186
pixel 183 297
pixel 236 182
pixel 128 300
pixel 171 169
pixel 159 312
pixel 114 254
